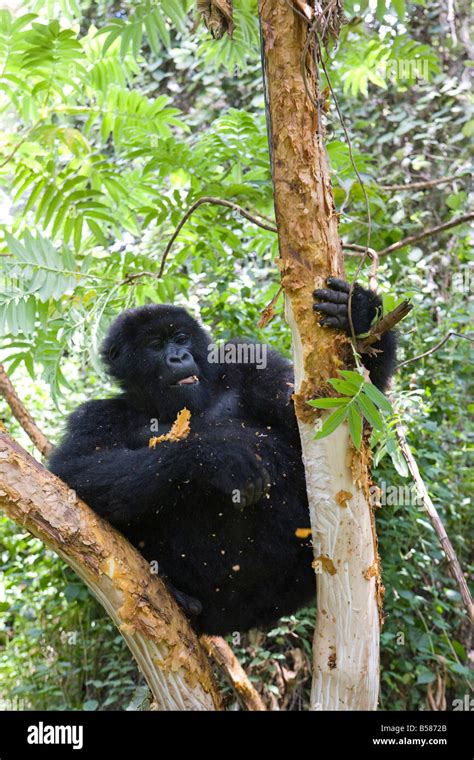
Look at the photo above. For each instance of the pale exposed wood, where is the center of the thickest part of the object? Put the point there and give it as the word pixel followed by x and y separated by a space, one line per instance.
pixel 163 644
pixel 223 656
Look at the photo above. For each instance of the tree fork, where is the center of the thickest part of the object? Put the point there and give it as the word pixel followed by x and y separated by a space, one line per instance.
pixel 349 590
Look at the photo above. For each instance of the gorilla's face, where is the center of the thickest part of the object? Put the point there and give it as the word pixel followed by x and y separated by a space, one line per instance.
pixel 159 354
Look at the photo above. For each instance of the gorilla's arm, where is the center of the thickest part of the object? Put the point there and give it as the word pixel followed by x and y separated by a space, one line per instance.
pixel 266 391
pixel 120 483
pixel 124 484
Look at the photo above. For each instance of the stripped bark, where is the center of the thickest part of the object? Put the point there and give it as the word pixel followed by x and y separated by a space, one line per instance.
pixel 162 642
pixel 219 650
pixel 349 591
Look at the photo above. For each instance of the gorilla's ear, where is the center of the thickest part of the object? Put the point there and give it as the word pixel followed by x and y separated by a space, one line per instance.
pixel 113 352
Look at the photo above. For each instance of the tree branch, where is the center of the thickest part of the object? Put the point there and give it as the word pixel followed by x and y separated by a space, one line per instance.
pixel 435 348
pixel 446 544
pixel 422 184
pixel 427 233
pixel 158 635
pixel 384 325
pixel 265 225
pixel 22 415
pixel 223 656
pixel 361 250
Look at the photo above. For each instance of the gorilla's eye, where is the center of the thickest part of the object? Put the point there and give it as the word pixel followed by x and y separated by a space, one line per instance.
pixel 155 343
pixel 113 352
pixel 181 339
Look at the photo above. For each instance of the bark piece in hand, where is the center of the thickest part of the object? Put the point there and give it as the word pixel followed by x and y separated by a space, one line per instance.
pixel 179 430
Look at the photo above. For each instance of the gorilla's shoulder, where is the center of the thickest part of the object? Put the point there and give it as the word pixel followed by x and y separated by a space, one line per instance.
pixel 100 413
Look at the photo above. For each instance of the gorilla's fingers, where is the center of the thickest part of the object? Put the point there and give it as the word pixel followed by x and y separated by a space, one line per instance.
pixel 338 284
pixel 190 605
pixel 333 322
pixel 333 296
pixel 331 309
pixel 194 606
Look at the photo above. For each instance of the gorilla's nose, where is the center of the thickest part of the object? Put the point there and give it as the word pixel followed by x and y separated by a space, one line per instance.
pixel 180 359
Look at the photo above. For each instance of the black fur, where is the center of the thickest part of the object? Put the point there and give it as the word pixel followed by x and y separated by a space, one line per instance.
pixel 233 565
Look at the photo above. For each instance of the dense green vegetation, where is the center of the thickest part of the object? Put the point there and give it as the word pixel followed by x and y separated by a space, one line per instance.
pixel 116 117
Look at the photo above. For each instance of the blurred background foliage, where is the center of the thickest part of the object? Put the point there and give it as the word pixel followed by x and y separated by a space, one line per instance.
pixel 115 118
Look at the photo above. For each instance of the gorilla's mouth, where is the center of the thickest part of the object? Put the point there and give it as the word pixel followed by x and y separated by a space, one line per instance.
pixel 190 380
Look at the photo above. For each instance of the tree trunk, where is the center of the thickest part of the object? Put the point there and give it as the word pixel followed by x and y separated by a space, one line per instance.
pixel 164 646
pixel 346 641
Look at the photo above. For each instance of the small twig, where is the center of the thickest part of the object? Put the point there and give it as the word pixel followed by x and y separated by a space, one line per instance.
pixel 435 348
pixel 216 202
pixel 20 143
pixel 137 275
pixel 426 233
pixel 269 311
pixel 222 654
pixel 446 544
pixel 371 253
pixel 422 184
pixel 384 325
pixel 22 415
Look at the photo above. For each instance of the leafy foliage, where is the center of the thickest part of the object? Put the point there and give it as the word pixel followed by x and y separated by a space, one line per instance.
pixel 361 400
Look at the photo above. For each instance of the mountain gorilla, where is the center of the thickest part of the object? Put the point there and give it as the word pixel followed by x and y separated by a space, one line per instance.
pixel 217 510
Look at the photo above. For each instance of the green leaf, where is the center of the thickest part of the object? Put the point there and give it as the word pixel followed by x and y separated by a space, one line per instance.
pixel 354 377
pixel 162 28
pixel 332 422
pixel 343 386
pixel 400 9
pixel 377 397
pixel 425 676
pixel 328 403
pixel 370 412
pixel 355 426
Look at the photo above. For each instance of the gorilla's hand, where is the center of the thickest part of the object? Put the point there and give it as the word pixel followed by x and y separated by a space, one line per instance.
pixel 335 306
pixel 190 605
pixel 241 477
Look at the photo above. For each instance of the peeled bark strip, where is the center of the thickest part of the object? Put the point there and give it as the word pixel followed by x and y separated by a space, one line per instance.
pixel 346 642
pixel 219 650
pixel 164 646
